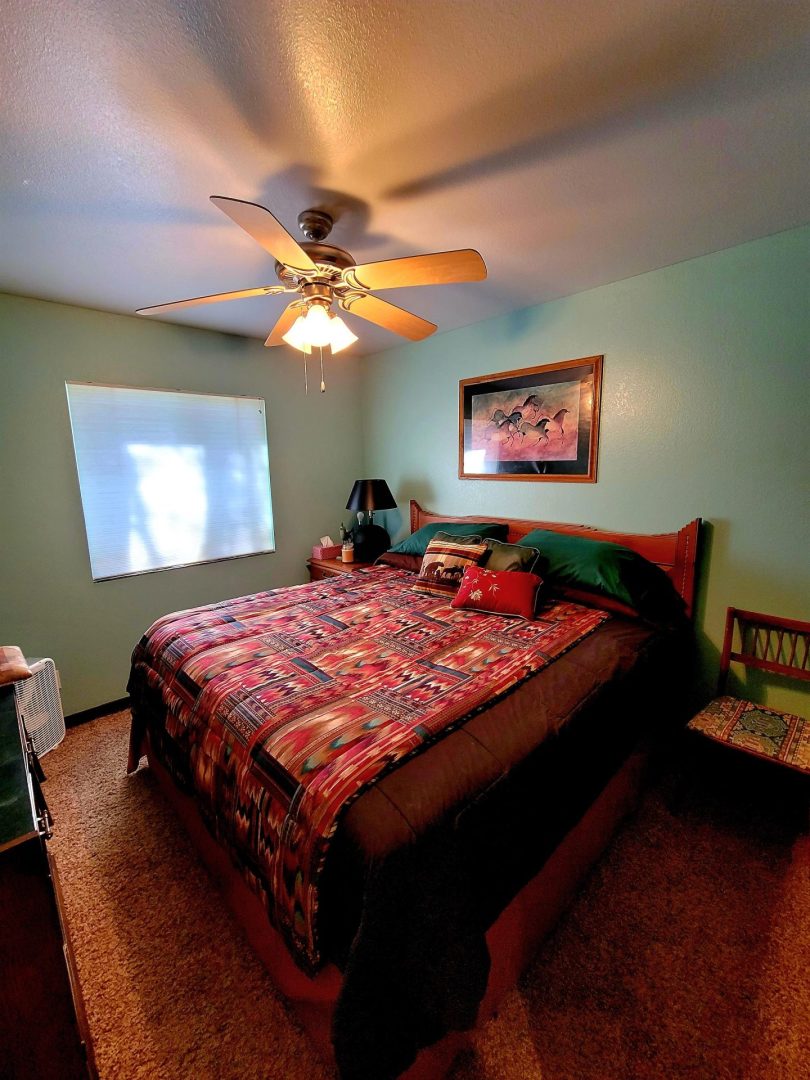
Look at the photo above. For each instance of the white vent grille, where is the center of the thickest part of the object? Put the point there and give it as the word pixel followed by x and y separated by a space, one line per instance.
pixel 39 703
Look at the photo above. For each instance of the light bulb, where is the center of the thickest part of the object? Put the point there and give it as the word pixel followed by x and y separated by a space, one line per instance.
pixel 297 335
pixel 318 325
pixel 341 334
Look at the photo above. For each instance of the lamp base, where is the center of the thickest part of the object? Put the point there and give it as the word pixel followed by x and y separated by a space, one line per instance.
pixel 370 541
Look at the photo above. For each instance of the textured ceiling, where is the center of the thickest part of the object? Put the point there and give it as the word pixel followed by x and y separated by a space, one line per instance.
pixel 573 143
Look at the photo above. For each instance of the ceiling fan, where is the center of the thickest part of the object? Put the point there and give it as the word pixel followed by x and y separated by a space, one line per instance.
pixel 322 274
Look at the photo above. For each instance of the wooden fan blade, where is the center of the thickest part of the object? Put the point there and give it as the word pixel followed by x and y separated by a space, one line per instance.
pixel 285 321
pixel 266 230
pixel 443 268
pixel 264 290
pixel 388 315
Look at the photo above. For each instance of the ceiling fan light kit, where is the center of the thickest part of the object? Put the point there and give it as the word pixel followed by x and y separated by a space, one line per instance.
pixel 323 274
pixel 318 328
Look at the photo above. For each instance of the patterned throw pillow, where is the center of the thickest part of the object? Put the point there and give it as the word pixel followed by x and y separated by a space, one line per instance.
pixel 446 559
pixel 498 592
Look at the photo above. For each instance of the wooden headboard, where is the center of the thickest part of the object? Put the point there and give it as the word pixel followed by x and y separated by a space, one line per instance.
pixel 675 552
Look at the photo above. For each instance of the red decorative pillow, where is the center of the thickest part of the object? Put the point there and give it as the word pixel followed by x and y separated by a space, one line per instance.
pixel 498 592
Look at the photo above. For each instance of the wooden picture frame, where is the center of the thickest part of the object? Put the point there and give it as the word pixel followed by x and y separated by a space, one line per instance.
pixel 537 423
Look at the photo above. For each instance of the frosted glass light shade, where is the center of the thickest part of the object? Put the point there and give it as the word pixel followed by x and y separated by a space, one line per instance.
pixel 297 335
pixel 342 336
pixel 318 325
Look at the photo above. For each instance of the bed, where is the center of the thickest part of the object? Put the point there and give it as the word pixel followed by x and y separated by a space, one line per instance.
pixel 394 907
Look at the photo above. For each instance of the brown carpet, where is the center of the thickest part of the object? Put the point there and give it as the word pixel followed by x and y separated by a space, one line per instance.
pixel 685 955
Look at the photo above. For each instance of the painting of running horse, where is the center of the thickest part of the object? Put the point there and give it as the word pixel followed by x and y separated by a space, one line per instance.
pixel 539 423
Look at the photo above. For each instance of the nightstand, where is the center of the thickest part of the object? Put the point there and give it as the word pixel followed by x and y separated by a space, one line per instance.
pixel 326 568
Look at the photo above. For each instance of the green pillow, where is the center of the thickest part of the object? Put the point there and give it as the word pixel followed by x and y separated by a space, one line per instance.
pixel 416 543
pixel 606 568
pixel 509 557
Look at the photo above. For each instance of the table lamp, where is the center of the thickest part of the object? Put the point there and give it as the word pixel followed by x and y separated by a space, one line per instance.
pixel 370 540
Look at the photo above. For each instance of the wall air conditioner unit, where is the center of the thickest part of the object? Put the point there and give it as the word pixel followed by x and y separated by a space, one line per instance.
pixel 39 705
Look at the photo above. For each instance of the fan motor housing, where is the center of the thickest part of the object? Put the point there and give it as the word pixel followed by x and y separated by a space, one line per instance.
pixel 334 258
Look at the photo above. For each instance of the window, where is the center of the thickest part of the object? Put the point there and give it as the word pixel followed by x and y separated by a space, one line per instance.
pixel 169 478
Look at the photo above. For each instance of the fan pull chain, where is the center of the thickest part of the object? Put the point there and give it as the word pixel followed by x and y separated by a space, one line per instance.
pixel 323 384
pixel 306 382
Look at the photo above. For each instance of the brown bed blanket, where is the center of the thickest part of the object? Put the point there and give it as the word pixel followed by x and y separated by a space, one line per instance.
pixel 426 861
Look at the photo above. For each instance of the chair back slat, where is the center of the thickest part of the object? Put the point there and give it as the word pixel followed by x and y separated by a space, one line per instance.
pixel 794 646
pixel 766 642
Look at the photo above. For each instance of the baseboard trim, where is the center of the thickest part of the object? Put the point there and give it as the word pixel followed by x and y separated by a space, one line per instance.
pixel 98 710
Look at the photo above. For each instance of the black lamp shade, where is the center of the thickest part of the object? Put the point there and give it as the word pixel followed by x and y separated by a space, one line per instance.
pixel 370 495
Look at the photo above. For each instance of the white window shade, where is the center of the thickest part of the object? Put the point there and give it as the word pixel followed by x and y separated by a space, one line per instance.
pixel 169 478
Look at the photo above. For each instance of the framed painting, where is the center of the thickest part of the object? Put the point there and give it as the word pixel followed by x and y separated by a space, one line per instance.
pixel 539 423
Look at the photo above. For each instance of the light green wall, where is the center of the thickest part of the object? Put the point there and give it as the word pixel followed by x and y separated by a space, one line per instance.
pixel 704 414
pixel 48 603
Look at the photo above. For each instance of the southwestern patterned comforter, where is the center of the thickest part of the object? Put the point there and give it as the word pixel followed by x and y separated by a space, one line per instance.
pixel 278 710
pixel 287 704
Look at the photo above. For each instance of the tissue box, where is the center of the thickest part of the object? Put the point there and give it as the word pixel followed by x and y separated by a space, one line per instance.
pixel 331 552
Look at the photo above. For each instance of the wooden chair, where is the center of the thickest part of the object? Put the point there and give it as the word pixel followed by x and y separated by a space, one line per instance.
pixel 769 643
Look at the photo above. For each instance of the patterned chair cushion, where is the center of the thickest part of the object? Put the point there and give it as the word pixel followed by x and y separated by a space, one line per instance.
pixel 756 729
